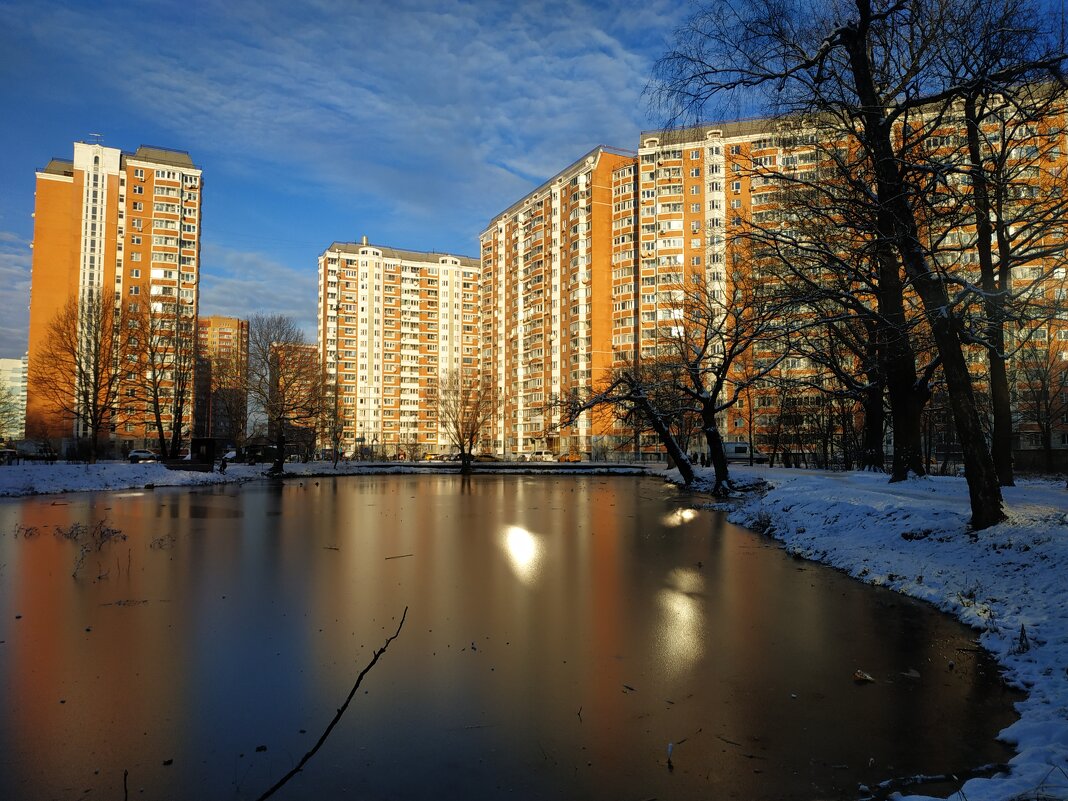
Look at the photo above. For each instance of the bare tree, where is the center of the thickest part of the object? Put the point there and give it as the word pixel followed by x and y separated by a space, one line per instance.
pixel 1039 377
pixel 709 332
pixel 166 348
pixel 639 390
pixel 466 405
pixel 334 419
pixel 842 284
pixel 229 395
pixel 285 381
pixel 80 366
pixel 9 412
pixel 874 67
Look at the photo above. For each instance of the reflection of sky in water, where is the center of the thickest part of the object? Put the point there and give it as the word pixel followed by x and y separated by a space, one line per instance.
pixel 682 621
pixel 678 517
pixel 524 552
pixel 269 597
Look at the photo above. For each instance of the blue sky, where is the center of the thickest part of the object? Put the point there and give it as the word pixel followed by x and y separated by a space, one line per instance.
pixel 321 120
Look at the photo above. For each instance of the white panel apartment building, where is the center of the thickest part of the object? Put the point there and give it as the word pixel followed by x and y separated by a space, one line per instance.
pixel 391 322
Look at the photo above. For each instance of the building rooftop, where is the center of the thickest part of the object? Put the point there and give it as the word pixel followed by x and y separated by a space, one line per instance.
pixel 728 130
pixel 430 257
pixel 163 155
pixel 566 173
pixel 59 167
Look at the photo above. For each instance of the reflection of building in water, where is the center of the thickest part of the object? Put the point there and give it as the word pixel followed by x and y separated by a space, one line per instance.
pixel 75 664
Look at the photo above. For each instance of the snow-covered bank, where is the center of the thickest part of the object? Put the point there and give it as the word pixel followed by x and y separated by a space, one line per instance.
pixel 42 479
pixel 1010 584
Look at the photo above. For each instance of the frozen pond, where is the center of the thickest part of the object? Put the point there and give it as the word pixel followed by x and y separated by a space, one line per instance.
pixel 561 632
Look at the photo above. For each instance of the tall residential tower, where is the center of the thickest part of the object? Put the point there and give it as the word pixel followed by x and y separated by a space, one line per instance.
pixel 118 225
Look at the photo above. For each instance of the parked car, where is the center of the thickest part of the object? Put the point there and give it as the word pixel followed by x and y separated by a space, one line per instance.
pixel 138 456
pixel 739 452
pixel 573 456
pixel 542 456
pixel 485 457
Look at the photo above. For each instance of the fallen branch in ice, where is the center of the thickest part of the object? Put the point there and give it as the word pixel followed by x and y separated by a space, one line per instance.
pixel 337 717
pixel 883 790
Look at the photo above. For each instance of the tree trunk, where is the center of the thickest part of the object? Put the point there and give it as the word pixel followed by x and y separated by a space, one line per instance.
pixel 280 449
pixel 667 439
pixel 872 457
pixel 993 301
pixel 717 454
pixel 176 431
pixel 983 488
pixel 899 367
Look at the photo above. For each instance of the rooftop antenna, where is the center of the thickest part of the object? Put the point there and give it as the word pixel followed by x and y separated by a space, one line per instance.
pixel 96 138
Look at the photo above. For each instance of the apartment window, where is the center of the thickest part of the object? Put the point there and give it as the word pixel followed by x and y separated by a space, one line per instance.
pixel 135 240
pixel 736 150
pixel 138 189
pixel 138 206
pixel 695 208
pixel 135 290
pixel 135 257
pixel 139 173
pixel 736 186
pixel 135 273
pixel 695 154
pixel 695 189
pixel 736 204
pixel 696 261
pixel 695 172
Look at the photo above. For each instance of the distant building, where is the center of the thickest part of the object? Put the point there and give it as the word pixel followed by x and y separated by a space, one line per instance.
pixel 13 379
pixel 222 378
pixel 391 322
pixel 119 225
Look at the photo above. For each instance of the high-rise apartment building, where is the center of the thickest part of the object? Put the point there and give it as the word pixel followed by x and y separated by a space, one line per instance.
pixel 124 226
pixel 391 323
pixel 547 304
pixel 222 374
pixel 13 381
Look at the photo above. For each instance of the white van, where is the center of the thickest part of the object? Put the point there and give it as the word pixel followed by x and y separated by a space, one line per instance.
pixel 739 452
pixel 542 456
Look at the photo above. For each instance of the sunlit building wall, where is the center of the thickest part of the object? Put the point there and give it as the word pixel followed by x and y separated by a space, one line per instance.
pixel 121 225
pixel 546 305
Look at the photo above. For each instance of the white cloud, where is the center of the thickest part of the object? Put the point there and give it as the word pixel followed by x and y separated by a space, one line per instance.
pixel 243 283
pixel 444 111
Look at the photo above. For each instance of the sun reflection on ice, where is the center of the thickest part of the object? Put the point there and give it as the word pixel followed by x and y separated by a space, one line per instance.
pixel 682 618
pixel 524 552
pixel 678 517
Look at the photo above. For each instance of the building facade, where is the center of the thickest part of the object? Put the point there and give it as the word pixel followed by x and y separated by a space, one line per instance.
pixel 222 378
pixel 391 323
pixel 13 381
pixel 547 305
pixel 125 227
